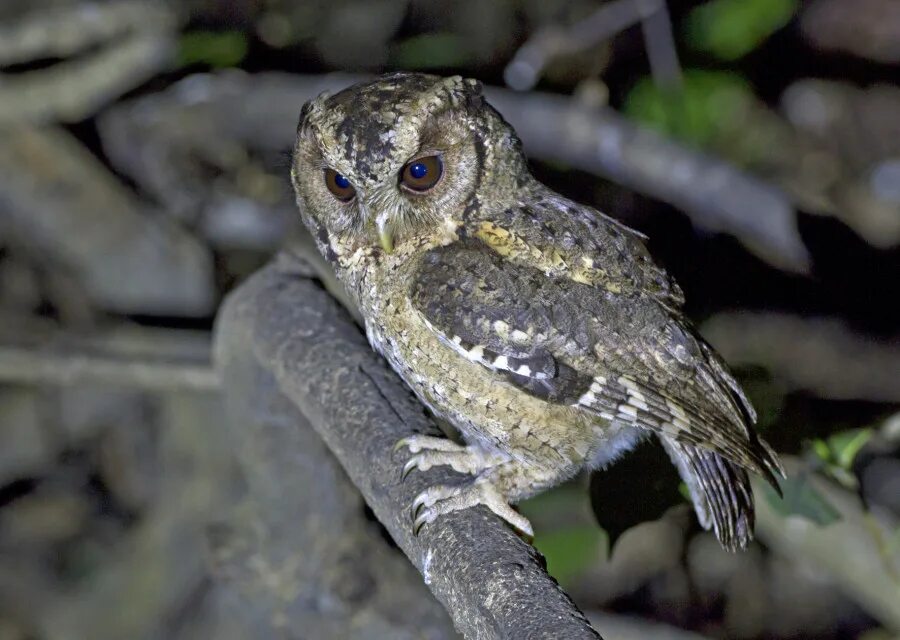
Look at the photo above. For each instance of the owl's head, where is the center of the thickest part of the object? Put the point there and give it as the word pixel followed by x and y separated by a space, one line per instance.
pixel 388 161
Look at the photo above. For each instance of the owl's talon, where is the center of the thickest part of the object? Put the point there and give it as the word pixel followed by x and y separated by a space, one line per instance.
pixel 415 510
pixel 442 499
pixel 421 521
pixel 469 460
pixel 418 523
pixel 421 442
pixel 407 468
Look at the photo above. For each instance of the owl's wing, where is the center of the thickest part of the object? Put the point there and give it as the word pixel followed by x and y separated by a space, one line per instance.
pixel 622 357
pixel 570 240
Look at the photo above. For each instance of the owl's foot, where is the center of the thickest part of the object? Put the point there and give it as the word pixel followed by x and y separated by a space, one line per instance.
pixel 441 499
pixel 430 451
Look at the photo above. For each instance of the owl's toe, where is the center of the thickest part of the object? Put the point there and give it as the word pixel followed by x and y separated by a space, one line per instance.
pixel 467 460
pixel 442 499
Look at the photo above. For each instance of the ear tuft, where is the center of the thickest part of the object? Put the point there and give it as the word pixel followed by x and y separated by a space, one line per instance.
pixel 304 111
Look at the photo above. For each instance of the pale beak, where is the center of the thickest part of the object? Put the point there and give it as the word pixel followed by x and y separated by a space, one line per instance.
pixel 385 237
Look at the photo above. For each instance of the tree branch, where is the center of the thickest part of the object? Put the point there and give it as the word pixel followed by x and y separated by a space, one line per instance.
pixel 302 530
pixel 152 359
pixel 492 583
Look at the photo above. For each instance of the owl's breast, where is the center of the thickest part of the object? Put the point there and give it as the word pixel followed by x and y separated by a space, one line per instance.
pixel 479 402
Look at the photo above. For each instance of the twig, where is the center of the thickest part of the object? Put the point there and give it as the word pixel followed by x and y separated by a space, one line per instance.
pixel 524 70
pixel 490 581
pixel 660 44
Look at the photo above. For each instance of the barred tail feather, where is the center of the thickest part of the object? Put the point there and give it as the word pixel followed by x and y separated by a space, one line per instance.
pixel 720 491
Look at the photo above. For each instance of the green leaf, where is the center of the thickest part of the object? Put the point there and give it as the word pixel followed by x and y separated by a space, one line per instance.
pixel 570 551
pixel 802 499
pixel 845 445
pixel 214 48
pixel 821 449
pixel 729 29
pixel 431 51
pixel 710 105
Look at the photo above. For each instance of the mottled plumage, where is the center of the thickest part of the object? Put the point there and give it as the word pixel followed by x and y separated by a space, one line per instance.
pixel 537 326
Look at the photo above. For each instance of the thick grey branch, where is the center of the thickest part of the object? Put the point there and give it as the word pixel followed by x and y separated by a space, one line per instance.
pixel 302 531
pixel 492 583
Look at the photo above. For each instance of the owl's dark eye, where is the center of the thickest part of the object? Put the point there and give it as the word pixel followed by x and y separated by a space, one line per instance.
pixel 339 185
pixel 422 174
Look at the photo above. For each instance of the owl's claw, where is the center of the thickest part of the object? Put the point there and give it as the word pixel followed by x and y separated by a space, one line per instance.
pixel 442 499
pixel 430 451
pixel 421 442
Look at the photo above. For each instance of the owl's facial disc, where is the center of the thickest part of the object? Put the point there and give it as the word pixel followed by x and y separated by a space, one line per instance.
pixel 393 161
pixel 417 177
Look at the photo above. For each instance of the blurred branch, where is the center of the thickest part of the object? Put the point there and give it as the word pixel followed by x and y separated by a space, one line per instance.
pixel 715 195
pixel 819 355
pixel 866 28
pixel 491 582
pixel 140 39
pixel 623 627
pixel 262 110
pixel 146 358
pixel 62 205
pixel 524 70
pixel 660 44
pixel 845 548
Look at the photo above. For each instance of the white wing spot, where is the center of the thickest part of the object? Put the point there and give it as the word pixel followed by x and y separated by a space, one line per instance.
pixel 627 410
pixel 638 402
pixel 676 410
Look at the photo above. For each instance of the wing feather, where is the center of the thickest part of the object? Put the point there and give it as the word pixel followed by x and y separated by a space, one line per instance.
pixel 624 356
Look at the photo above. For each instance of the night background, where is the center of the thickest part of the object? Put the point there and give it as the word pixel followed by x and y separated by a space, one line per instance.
pixel 144 161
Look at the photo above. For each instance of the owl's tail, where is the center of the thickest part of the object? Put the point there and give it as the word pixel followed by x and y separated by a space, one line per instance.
pixel 720 491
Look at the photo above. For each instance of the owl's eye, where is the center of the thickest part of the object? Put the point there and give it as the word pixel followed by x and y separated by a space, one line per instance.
pixel 339 185
pixel 422 174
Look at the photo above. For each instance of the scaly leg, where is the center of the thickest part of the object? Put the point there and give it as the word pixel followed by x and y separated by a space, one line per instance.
pixel 430 451
pixel 498 480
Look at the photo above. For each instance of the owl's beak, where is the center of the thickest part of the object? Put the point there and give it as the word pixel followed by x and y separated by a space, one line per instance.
pixel 385 237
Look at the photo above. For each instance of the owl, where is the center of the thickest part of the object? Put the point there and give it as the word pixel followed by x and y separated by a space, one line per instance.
pixel 540 328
